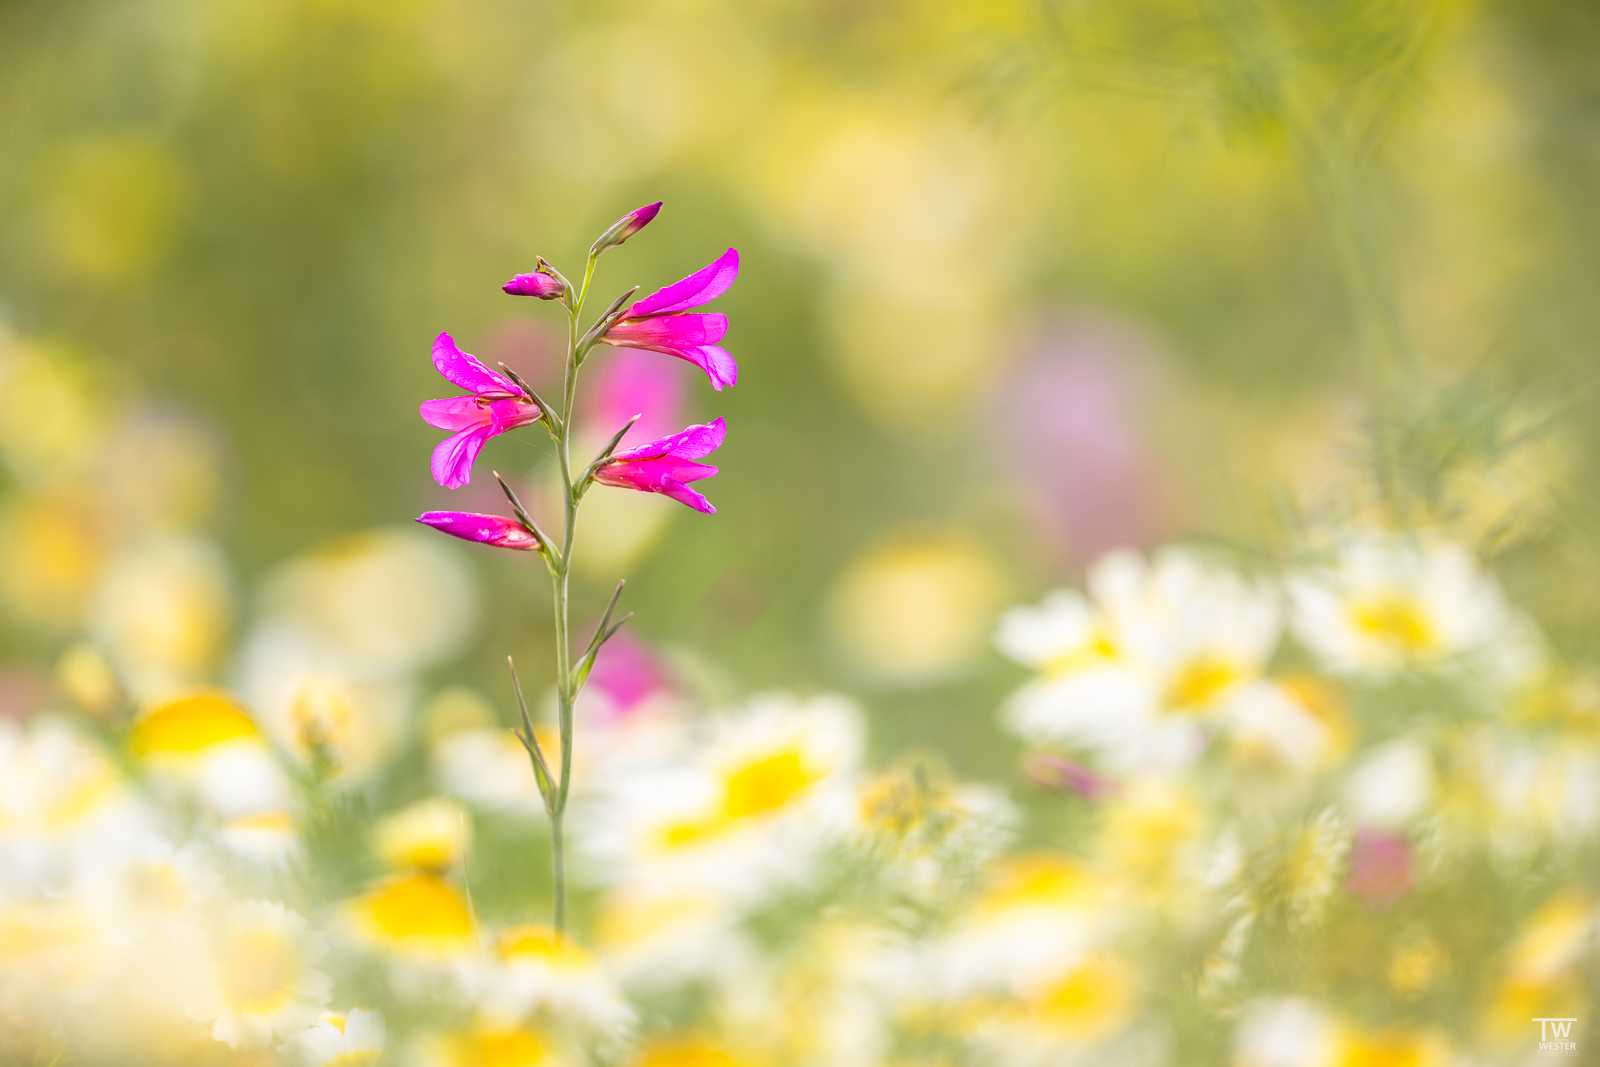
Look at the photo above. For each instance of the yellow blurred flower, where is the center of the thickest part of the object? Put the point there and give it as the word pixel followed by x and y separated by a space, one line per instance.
pixel 85 674
pixel 917 607
pixel 52 549
pixel 430 835
pixel 416 915
pixel 163 611
pixel 52 413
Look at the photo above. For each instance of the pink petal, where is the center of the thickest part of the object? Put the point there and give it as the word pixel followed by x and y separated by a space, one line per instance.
pixel 485 529
pixel 453 457
pixel 666 474
pixel 685 495
pixel 716 362
pixel 692 443
pixel 701 287
pixel 465 370
pixel 455 413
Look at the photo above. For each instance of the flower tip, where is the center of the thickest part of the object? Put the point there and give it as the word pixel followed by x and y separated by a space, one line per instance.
pixel 644 215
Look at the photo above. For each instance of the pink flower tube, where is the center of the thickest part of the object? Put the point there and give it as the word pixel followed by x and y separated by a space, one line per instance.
pixel 484 529
pixel 667 466
pixel 495 406
pixel 659 322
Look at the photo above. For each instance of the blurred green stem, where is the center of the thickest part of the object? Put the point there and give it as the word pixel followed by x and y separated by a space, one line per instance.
pixel 1327 150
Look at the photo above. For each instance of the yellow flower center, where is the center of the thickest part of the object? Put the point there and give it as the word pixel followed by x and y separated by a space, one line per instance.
pixel 499 1048
pixel 1090 1000
pixel 256 970
pixel 765 785
pixel 1095 652
pixel 1200 681
pixel 1395 620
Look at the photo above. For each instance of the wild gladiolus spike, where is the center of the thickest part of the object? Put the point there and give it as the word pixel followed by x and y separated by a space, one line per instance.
pixel 667 466
pixel 660 321
pixel 496 405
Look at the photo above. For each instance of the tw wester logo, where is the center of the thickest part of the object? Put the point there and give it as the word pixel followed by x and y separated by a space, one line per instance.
pixel 1555 1037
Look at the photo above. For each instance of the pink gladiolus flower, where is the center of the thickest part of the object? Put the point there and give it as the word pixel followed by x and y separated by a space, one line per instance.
pixel 659 322
pixel 666 466
pixel 1380 867
pixel 484 529
pixel 540 285
pixel 497 405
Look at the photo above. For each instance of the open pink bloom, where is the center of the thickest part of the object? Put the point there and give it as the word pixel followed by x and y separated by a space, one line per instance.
pixel 542 286
pixel 497 405
pixel 484 529
pixel 660 321
pixel 667 466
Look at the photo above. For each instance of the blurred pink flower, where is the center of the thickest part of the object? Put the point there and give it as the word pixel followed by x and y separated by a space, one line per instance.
pixel 496 406
pixel 666 466
pixel 1058 773
pixel 626 674
pixel 484 529
pixel 660 322
pixel 625 227
pixel 1380 867
pixel 542 286
pixel 1068 421
pixel 632 382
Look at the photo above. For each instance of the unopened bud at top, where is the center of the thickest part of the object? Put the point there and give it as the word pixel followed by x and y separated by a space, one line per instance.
pixel 625 227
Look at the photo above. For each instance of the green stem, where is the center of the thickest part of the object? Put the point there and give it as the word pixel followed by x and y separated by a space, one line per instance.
pixel 565 690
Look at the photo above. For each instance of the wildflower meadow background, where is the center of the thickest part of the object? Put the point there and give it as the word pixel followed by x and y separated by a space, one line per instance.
pixel 1137 600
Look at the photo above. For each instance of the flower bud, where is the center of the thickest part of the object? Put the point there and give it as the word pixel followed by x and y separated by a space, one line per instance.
pixel 542 286
pixel 625 227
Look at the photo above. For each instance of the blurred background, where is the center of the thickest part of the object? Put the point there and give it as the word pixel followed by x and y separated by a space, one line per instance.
pixel 1022 282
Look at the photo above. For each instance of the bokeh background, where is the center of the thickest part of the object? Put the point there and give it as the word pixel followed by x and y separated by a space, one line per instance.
pixel 1022 283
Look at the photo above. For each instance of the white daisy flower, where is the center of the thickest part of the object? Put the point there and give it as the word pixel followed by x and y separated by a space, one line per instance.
pixel 1134 673
pixel 1286 1032
pixel 205 742
pixel 1392 785
pixel 268 838
pixel 62 804
pixel 747 808
pixel 352 1040
pixel 535 968
pixel 261 979
pixel 1389 603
